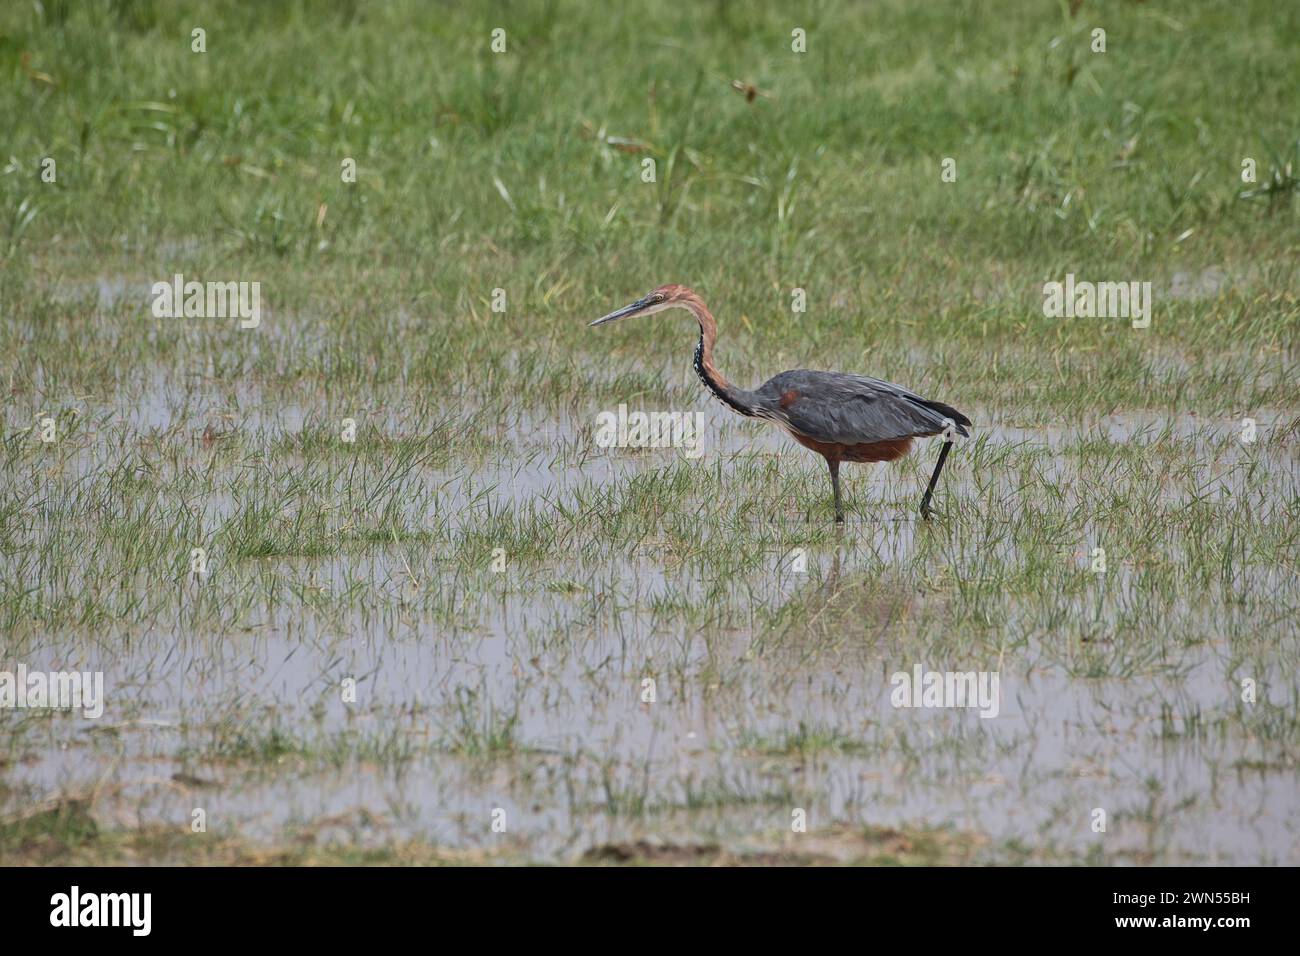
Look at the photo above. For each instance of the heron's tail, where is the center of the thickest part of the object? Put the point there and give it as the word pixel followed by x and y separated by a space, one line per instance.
pixel 948 411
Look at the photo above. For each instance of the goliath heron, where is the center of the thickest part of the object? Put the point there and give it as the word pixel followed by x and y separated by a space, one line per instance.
pixel 840 416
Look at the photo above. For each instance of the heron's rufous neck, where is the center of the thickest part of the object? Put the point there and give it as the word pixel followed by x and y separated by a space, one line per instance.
pixel 713 380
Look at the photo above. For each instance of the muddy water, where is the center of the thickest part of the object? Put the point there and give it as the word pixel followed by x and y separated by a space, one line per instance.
pixel 1057 750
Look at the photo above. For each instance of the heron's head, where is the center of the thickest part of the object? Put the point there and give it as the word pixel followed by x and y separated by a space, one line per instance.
pixel 664 297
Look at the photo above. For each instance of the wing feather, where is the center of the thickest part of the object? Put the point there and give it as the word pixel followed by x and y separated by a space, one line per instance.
pixel 851 409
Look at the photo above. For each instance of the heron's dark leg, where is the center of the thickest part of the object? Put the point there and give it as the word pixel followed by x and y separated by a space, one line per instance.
pixel 835 487
pixel 934 479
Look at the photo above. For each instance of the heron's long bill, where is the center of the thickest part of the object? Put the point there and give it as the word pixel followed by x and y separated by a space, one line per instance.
pixel 622 313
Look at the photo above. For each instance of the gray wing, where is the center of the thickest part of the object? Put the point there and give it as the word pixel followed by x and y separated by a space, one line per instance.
pixel 839 407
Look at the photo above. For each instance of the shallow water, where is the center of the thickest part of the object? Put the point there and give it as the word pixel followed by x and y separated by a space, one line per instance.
pixel 559 649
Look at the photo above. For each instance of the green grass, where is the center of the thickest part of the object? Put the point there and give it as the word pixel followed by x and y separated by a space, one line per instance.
pixel 497 584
